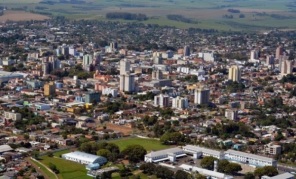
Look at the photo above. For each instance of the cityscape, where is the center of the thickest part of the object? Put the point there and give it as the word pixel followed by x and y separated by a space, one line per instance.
pixel 86 98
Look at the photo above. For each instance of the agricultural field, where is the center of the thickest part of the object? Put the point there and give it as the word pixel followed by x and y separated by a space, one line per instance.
pixel 148 144
pixel 21 16
pixel 250 14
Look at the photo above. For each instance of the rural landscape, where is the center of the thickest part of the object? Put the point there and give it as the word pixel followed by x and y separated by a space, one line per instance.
pixel 235 15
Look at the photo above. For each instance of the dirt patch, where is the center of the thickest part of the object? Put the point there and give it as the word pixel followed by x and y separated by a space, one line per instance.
pixel 121 128
pixel 21 16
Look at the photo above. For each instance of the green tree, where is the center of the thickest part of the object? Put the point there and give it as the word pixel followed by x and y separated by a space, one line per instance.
pixel 208 162
pixel 180 174
pixel 267 170
pixel 172 138
pixel 134 153
pixel 104 153
pixel 148 168
pixel 249 176
pixel 233 168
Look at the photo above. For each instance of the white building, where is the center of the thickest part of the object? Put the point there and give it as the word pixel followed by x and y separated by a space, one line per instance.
pixel 202 96
pixel 180 103
pixel 286 67
pixel 195 150
pixel 280 176
pixel 231 114
pixel 12 115
pixel 250 159
pixel 127 82
pixel 87 59
pixel 162 100
pixel 205 172
pixel 84 158
pixel 112 91
pixel 272 149
pixel 234 73
pixel 254 55
pixel 124 66
pixel 162 155
pixel 207 56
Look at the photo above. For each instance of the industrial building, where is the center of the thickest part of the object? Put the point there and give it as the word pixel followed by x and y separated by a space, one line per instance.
pixel 205 172
pixel 163 155
pixel 84 158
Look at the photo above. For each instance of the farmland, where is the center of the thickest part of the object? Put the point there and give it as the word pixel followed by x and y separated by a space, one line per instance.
pixel 21 16
pixel 263 14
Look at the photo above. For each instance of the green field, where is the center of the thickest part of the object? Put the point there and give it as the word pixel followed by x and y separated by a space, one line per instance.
pixel 209 13
pixel 68 169
pixel 48 173
pixel 148 144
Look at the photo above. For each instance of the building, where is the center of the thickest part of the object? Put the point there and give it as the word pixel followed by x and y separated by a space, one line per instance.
pixel 270 61
pixel 110 91
pixel 231 114
pixel 205 172
pixel 250 159
pixel 5 148
pixel 272 149
pixel 279 52
pixel 87 60
pixel 202 96
pixel 197 151
pixel 12 115
pixel 163 155
pixel 186 51
pixel 286 67
pixel 49 89
pixel 280 176
pixel 6 76
pixel 180 103
pixel 124 66
pixel 254 55
pixel 127 82
pixel 156 75
pixel 93 97
pixel 84 158
pixel 234 73
pixel 162 100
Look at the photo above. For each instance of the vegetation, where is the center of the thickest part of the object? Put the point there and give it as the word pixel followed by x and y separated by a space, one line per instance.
pixel 126 16
pixel 208 162
pixel 267 170
pixel 176 17
pixel 148 144
pixel 134 153
pixel 224 166
pixel 162 172
pixel 173 138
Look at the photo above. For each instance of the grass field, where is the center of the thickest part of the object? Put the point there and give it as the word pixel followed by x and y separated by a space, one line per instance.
pixel 208 12
pixel 148 144
pixel 48 173
pixel 68 169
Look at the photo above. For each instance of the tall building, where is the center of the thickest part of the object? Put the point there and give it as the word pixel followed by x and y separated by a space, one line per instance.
pixel 114 45
pixel 231 114
pixel 162 100
pixel 156 74
pixel 50 65
pixel 127 82
pixel 270 61
pixel 254 55
pixel 234 73
pixel 49 89
pixel 279 52
pixel 180 103
pixel 202 96
pixel 87 60
pixel 186 51
pixel 124 66
pixel 286 67
pixel 93 97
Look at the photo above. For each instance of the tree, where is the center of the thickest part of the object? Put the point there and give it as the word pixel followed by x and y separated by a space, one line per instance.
pixel 134 153
pixel 180 174
pixel 222 165
pixel 148 168
pixel 267 170
pixel 172 138
pixel 104 153
pixel 208 162
pixel 53 167
pixel 164 173
pixel 249 176
pixel 49 154
pixel 26 136
pixel 35 154
pixel 233 168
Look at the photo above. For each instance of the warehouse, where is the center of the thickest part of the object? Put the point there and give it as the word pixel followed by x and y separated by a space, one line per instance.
pixel 6 76
pixel 84 158
pixel 196 150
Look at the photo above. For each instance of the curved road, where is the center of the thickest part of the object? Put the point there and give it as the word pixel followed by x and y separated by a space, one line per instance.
pixel 45 167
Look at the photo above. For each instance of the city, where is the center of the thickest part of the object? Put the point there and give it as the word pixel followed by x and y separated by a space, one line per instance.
pixel 90 99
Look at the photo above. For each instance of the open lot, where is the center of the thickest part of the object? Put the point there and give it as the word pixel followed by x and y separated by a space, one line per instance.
pixel 148 144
